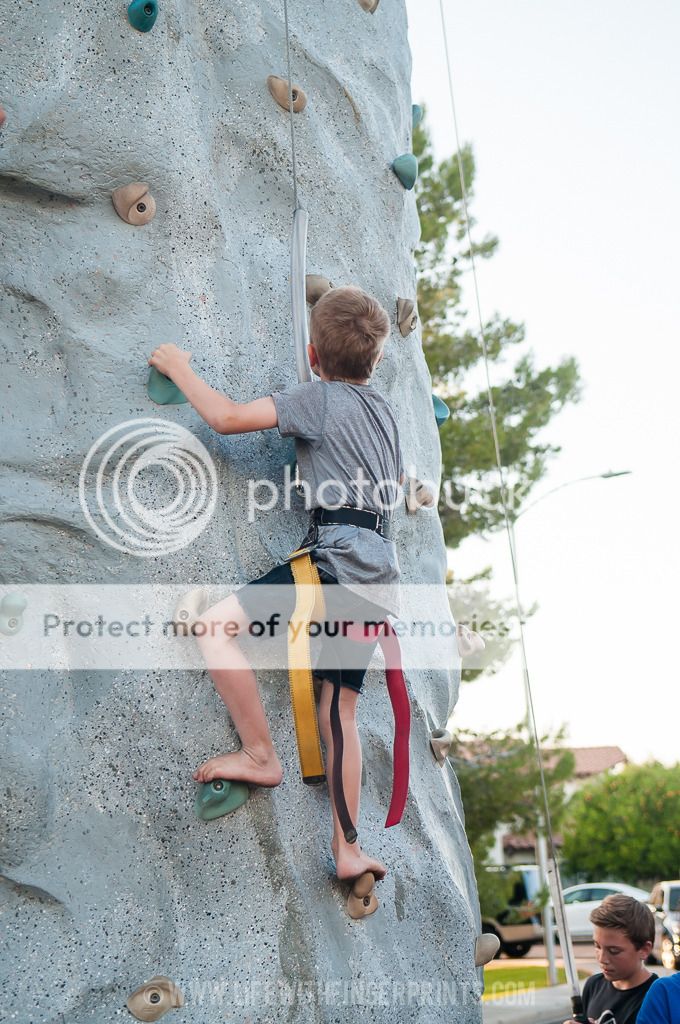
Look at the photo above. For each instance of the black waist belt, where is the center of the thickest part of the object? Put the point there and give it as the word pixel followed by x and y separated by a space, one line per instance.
pixel 346 515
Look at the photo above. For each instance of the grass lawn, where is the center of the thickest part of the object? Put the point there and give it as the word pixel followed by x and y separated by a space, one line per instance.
pixel 504 981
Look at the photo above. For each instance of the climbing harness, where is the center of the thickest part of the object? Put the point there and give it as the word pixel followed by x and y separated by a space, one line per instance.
pixel 553 870
pixel 309 602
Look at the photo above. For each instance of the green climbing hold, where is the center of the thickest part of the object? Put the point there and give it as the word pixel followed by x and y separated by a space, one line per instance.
pixel 162 391
pixel 417 113
pixel 220 797
pixel 142 14
pixel 441 411
pixel 406 169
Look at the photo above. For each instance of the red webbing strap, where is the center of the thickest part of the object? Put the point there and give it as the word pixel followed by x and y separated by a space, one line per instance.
pixel 401 708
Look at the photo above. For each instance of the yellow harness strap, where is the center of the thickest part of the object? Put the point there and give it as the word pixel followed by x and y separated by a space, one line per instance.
pixel 308 601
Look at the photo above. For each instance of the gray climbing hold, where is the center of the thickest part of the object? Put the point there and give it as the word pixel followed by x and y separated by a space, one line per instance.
pixel 486 948
pixel 278 87
pixel 418 495
pixel 315 287
pixel 369 5
pixel 156 997
pixel 11 610
pixel 134 203
pixel 440 741
pixel 406 169
pixel 189 609
pixel 162 390
pixel 407 318
pixel 468 642
pixel 417 114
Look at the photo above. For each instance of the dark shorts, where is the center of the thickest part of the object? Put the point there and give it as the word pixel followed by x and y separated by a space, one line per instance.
pixel 342 661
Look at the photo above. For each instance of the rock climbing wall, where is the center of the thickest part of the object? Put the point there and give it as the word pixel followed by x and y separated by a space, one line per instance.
pixel 108 878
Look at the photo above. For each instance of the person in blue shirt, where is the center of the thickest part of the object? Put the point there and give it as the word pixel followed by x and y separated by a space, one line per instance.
pixel 662 1003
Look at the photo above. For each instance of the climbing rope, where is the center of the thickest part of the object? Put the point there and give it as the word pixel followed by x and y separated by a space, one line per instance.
pixel 290 106
pixel 499 463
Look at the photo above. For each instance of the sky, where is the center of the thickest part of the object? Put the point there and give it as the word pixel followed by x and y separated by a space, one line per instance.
pixel 572 112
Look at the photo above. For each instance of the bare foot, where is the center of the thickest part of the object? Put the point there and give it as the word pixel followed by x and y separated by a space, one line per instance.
pixel 242 767
pixel 351 861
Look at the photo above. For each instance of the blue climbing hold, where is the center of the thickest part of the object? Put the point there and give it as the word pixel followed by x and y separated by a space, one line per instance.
pixel 441 411
pixel 406 169
pixel 220 797
pixel 417 113
pixel 162 391
pixel 142 14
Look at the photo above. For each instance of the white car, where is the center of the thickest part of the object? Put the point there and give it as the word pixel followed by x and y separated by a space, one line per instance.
pixel 580 900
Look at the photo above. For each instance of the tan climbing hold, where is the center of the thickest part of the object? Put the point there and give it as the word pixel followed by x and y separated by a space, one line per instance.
pixel 362 900
pixel 3 117
pixel 418 495
pixel 155 998
pixel 486 947
pixel 407 318
pixel 315 287
pixel 369 5
pixel 468 641
pixel 134 203
pixel 278 87
pixel 440 741
pixel 189 609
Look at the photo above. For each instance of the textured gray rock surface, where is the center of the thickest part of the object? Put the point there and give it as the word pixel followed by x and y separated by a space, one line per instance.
pixel 108 878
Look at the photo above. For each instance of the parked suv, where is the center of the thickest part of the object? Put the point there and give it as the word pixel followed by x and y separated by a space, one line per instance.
pixel 665 903
pixel 518 926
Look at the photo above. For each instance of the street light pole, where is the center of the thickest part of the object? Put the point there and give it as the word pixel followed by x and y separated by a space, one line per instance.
pixel 541 842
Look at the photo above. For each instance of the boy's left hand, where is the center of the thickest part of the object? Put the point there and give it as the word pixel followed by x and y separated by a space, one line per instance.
pixel 167 358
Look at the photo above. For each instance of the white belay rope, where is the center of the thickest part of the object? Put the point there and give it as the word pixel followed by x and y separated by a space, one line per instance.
pixel 290 105
pixel 499 463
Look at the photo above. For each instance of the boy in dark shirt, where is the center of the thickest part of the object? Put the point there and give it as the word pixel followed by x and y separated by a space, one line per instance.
pixel 623 937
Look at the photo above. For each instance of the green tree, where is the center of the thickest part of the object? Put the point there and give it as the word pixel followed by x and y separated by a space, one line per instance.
pixel 525 401
pixel 626 827
pixel 499 781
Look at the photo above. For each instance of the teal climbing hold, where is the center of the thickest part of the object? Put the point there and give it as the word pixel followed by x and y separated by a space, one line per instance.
pixel 162 391
pixel 142 14
pixel 417 113
pixel 406 169
pixel 220 797
pixel 441 411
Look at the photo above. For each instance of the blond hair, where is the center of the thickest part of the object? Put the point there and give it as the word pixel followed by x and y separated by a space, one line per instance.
pixel 348 328
pixel 627 915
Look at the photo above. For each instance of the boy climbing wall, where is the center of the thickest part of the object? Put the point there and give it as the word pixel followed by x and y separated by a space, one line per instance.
pixel 348 452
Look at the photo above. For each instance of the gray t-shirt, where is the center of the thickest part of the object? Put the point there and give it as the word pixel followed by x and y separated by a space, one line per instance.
pixel 347 446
